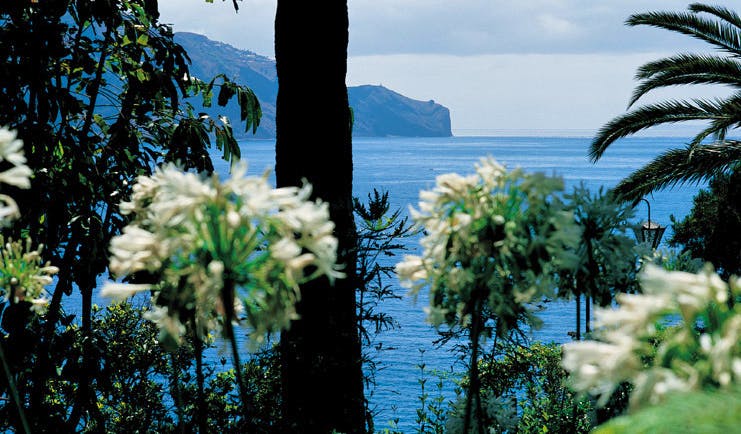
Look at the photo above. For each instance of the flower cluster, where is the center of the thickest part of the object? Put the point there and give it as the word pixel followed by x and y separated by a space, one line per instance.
pixel 18 174
pixel 210 249
pixel 23 275
pixel 488 237
pixel 701 346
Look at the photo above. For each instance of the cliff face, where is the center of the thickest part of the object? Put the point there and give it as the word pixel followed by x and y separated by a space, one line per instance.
pixel 210 57
pixel 382 112
pixel 378 111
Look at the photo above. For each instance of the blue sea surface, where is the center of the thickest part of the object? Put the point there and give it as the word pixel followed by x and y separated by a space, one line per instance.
pixel 404 166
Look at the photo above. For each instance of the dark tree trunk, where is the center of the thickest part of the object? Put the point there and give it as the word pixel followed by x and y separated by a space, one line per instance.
pixel 321 358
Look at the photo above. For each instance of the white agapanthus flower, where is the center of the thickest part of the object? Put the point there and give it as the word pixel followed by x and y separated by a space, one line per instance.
pixel 23 275
pixel 122 291
pixel 11 150
pixel 18 175
pixel 208 245
pixel 599 367
pixel 480 231
pixel 136 249
pixel 702 350
pixel 8 210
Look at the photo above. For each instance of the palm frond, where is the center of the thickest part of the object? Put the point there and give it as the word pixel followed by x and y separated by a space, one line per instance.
pixel 718 33
pixel 687 69
pixel 716 129
pixel 678 167
pixel 731 108
pixel 652 115
pixel 699 160
pixel 719 11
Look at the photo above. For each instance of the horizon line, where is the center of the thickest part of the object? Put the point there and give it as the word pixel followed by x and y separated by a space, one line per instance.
pixel 674 131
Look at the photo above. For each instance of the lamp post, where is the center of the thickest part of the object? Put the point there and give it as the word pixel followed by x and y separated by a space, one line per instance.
pixel 651 232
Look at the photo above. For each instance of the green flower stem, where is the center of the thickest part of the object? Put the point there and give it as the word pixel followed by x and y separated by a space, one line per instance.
pixel 14 391
pixel 227 298
pixel 474 389
pixel 201 412
pixel 178 397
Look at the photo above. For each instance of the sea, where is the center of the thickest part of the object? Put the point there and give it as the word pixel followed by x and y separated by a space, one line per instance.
pixel 404 166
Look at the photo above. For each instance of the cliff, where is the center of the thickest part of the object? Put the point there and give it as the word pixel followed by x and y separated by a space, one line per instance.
pixel 378 111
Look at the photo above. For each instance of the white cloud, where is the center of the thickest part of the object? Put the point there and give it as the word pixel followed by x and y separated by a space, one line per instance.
pixel 252 28
pixel 503 26
pixel 557 27
pixel 458 27
pixel 548 64
pixel 517 92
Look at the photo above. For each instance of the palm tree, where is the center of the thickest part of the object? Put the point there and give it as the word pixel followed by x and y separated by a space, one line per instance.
pixel 604 257
pixel 709 153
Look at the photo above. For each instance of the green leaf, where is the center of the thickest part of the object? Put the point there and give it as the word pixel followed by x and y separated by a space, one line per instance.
pixel 700 412
pixel 207 96
pixel 226 142
pixel 225 94
pixel 249 106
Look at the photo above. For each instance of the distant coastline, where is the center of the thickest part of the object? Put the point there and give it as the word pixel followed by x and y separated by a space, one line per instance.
pixel 377 111
pixel 679 131
pixel 501 132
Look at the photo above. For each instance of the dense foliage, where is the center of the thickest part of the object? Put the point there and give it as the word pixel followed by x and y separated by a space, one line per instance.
pixel 524 388
pixel 216 249
pixel 492 241
pixel 100 106
pixel 710 231
pixel 96 92
pixel 489 240
pixel 703 351
pixel 606 258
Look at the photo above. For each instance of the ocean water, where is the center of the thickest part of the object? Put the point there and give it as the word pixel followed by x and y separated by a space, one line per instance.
pixel 404 166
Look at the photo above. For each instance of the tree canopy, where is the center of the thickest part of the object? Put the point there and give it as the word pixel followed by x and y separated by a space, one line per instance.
pixel 97 92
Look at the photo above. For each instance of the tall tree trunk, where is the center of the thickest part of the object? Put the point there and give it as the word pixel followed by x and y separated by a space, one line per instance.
pixel 321 356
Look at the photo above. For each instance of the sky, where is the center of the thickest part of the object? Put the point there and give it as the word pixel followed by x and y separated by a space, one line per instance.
pixel 500 66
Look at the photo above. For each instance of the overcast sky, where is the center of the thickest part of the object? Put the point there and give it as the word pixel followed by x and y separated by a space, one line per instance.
pixel 497 65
